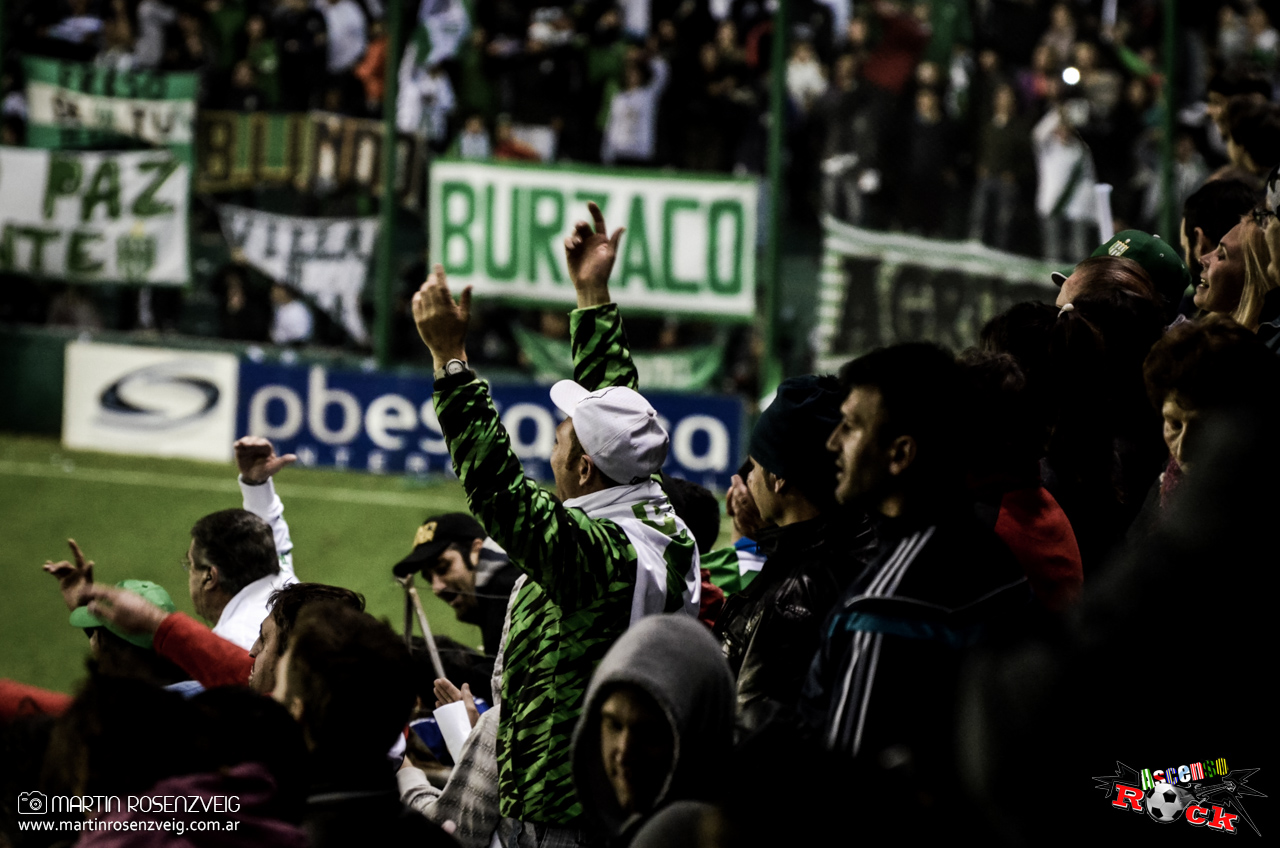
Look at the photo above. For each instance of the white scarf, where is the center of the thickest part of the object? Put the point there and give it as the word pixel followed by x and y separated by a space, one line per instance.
pixel 619 505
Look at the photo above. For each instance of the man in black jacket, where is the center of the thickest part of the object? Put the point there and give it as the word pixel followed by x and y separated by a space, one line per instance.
pixel 881 687
pixel 771 630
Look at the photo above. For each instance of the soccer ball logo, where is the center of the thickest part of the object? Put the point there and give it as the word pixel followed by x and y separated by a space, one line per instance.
pixel 1164 803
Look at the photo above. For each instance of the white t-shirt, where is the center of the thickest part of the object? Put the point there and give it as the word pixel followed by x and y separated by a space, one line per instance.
pixel 633 117
pixel 148 47
pixel 243 615
pixel 292 322
pixel 347 37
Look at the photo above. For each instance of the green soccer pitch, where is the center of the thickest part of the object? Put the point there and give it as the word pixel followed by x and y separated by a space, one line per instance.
pixel 132 516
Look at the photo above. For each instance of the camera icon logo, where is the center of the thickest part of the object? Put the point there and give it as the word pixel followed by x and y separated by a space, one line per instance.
pixel 32 804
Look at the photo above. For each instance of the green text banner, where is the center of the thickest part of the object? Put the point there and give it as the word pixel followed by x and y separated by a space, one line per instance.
pixel 688 370
pixel 94 217
pixel 75 105
pixel 689 247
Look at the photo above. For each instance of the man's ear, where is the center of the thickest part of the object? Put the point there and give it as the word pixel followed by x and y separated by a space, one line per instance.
pixel 212 579
pixel 776 484
pixel 295 708
pixel 902 453
pixel 1202 242
pixel 476 546
pixel 586 466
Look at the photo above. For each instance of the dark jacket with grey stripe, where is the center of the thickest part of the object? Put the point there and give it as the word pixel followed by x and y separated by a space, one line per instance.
pixel 770 630
pixel 885 674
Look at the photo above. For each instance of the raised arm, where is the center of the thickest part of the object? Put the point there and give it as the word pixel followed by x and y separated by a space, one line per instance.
pixel 570 556
pixel 601 355
pixel 188 644
pixel 256 458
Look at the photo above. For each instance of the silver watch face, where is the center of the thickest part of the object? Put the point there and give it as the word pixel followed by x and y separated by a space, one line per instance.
pixel 454 366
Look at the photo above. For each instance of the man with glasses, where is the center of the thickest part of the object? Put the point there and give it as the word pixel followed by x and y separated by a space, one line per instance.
pixel 239 557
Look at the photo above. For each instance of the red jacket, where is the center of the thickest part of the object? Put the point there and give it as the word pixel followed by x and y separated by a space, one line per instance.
pixel 182 640
pixel 19 699
pixel 207 657
pixel 1037 531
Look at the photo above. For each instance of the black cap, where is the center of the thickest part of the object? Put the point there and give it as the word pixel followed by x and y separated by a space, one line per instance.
pixel 790 437
pixel 437 533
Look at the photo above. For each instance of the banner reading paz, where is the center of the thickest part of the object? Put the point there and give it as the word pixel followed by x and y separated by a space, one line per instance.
pixel 94 217
pixel 689 247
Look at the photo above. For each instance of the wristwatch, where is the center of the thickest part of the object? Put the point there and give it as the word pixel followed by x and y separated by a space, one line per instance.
pixel 451 368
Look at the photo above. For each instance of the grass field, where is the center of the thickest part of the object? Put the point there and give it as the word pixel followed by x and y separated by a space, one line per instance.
pixel 133 517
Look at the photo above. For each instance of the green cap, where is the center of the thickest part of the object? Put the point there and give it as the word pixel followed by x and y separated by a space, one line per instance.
pixel 1157 257
pixel 153 592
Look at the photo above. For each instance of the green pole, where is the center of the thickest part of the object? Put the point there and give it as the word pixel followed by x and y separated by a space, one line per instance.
pixel 383 300
pixel 1170 214
pixel 771 367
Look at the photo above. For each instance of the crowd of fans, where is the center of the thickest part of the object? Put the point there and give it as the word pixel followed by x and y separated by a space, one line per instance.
pixel 950 576
pixel 990 120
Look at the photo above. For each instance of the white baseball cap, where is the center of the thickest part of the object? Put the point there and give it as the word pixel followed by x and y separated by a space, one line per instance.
pixel 617 428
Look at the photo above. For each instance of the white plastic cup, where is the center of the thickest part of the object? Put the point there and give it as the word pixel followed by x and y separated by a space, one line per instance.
pixel 455 727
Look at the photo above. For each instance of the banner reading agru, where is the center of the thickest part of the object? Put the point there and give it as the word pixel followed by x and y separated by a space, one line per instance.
pixel 689 247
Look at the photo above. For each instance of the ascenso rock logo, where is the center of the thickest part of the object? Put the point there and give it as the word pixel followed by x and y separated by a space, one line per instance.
pixel 1204 794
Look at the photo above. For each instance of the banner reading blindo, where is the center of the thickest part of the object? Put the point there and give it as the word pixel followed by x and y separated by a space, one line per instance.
pixel 689 247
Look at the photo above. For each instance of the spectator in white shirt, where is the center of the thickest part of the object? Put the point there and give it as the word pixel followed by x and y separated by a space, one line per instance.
pixel 148 48
pixel 238 557
pixel 292 322
pixel 1064 196
pixel 806 80
pixel 473 141
pixel 425 103
pixel 630 133
pixel 348 36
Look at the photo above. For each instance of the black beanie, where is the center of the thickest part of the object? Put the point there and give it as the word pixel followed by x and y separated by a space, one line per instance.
pixel 790 439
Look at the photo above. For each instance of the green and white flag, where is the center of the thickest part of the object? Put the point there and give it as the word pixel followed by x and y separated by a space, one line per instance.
pixel 877 289
pixel 443 26
pixel 71 104
pixel 686 370
pixel 95 217
pixel 689 249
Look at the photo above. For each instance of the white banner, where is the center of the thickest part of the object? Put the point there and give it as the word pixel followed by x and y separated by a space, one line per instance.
pixel 94 217
pixel 159 122
pixel 326 259
pixel 689 247
pixel 149 401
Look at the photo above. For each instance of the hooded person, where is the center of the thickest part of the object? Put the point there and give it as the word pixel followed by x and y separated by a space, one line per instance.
pixel 657 723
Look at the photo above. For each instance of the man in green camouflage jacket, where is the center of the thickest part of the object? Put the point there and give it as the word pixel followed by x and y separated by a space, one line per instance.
pixel 607 549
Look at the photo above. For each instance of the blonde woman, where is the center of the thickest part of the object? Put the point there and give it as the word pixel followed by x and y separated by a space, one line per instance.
pixel 1269 316
pixel 1258 282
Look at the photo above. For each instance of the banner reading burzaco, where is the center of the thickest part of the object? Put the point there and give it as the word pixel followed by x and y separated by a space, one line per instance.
pixel 94 217
pixel 689 247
